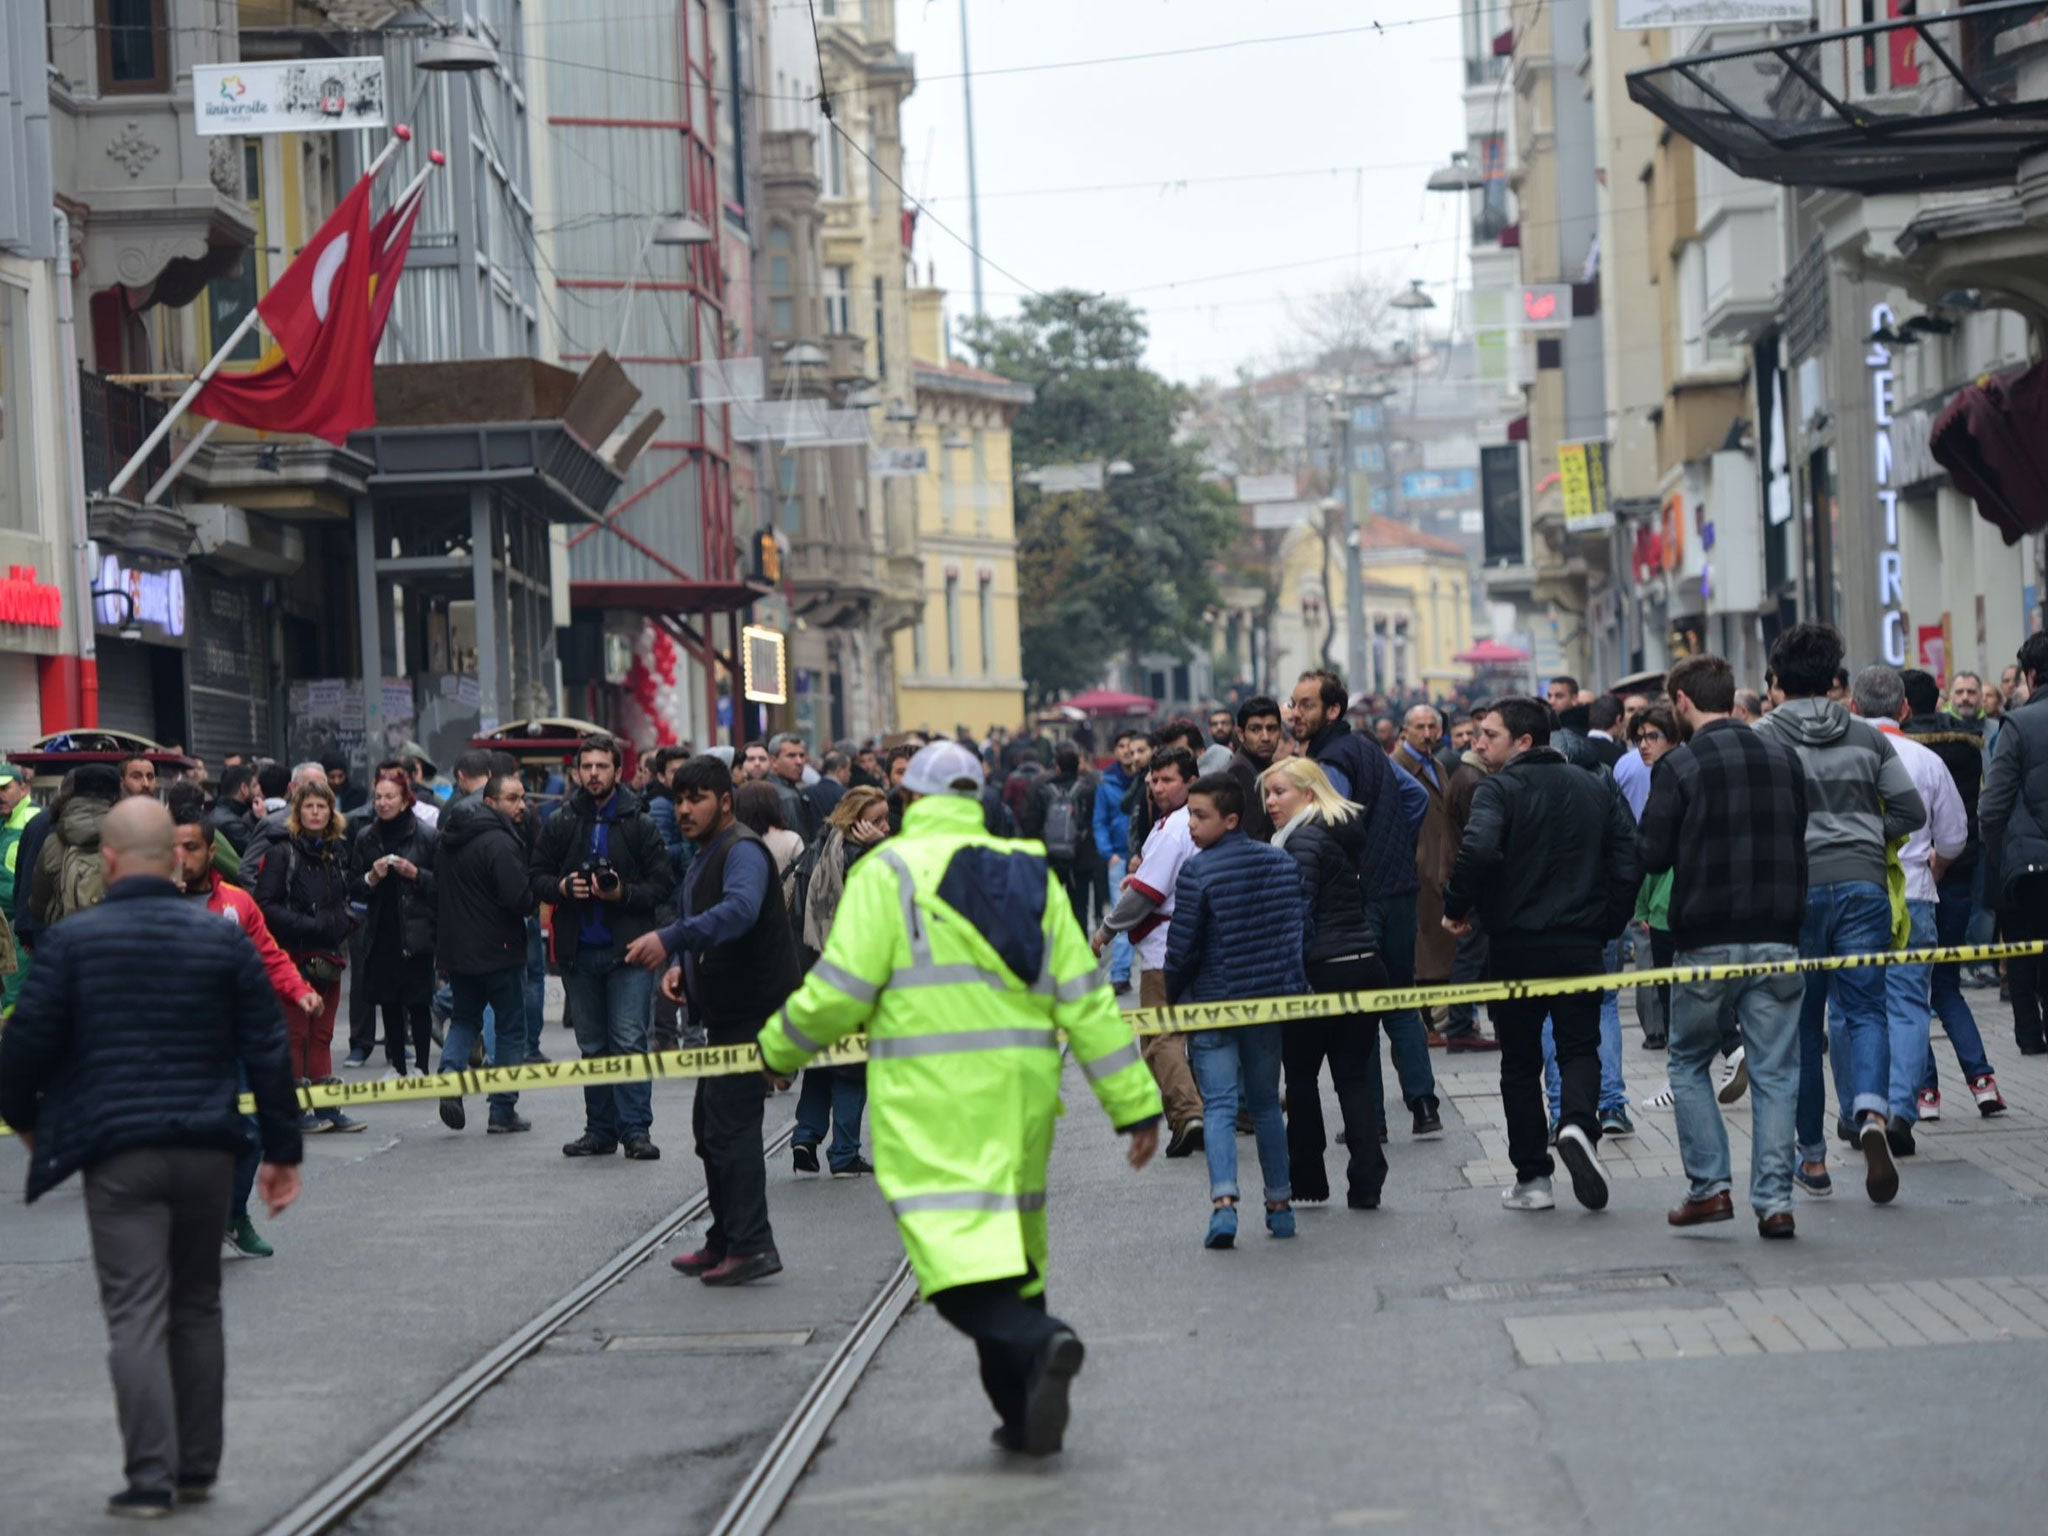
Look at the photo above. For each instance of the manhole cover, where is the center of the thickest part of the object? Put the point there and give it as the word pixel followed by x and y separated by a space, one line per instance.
pixel 701 1343
pixel 1524 1290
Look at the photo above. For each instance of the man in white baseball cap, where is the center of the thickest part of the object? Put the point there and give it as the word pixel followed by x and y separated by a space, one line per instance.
pixel 944 768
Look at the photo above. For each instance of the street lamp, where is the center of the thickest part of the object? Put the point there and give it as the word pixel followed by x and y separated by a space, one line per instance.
pixel 1461 175
pixel 804 354
pixel 455 53
pixel 1412 297
pixel 680 229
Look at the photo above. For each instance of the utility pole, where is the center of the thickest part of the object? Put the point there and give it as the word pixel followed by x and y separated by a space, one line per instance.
pixel 973 182
pixel 1355 652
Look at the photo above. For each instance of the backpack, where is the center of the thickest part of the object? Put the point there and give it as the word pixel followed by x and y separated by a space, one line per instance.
pixel 796 890
pixel 68 879
pixel 1064 823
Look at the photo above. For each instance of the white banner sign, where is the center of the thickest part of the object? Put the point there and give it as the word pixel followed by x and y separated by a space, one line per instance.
pixel 1276 515
pixel 1253 489
pixel 895 463
pixel 1636 15
pixel 288 96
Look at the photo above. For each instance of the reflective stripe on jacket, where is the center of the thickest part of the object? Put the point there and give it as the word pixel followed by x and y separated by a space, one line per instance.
pixel 963 1048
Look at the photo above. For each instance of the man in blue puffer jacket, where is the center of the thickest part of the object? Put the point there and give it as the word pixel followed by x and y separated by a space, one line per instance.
pixel 1240 928
pixel 136 1086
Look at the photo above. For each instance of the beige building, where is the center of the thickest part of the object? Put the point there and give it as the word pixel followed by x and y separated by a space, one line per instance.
pixel 1418 607
pixel 959 664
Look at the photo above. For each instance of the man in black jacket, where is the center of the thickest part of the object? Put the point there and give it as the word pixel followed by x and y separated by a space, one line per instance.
pixel 603 865
pixel 1548 864
pixel 135 1085
pixel 1727 815
pixel 732 957
pixel 480 938
pixel 233 814
pixel 2012 818
pixel 1257 739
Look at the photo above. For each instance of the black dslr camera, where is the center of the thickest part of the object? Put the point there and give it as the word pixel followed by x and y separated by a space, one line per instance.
pixel 602 874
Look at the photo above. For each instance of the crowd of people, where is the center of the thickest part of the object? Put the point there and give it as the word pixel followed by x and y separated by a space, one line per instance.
pixel 969 905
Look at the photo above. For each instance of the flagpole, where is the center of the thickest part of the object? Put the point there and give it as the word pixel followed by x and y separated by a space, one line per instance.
pixel 185 456
pixel 400 136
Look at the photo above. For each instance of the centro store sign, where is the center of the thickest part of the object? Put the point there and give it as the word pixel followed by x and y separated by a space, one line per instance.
pixel 153 599
pixel 1890 571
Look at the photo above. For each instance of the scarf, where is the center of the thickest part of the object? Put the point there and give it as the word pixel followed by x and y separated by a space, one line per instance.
pixel 1281 834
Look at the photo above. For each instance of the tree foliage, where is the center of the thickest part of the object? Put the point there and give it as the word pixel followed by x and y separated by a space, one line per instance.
pixel 1130 568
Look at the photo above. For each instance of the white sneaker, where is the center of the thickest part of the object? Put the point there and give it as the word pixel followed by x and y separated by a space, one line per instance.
pixel 1529 1195
pixel 1575 1150
pixel 1736 1083
pixel 1663 1098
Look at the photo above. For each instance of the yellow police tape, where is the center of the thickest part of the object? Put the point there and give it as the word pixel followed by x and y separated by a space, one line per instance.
pixel 731 1060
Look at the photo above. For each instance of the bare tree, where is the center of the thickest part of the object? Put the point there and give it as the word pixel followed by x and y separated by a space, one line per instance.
pixel 1350 330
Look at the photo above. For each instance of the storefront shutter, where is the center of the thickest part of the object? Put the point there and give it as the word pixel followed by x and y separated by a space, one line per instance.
pixel 127 687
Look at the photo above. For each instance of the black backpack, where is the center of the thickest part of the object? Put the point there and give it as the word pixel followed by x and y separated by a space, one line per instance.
pixel 1066 823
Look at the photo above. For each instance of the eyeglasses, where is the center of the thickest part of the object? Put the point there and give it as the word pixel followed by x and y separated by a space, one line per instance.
pixel 1651 735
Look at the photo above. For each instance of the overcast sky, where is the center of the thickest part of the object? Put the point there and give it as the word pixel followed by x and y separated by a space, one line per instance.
pixel 1329 138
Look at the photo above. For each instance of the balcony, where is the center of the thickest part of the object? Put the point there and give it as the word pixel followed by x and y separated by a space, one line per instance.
pixel 1941 102
pixel 114 421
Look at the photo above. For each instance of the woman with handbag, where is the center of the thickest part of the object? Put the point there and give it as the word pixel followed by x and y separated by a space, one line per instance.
pixel 303 891
pixel 393 877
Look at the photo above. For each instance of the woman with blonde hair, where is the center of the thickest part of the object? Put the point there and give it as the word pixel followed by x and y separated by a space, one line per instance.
pixel 839 1093
pixel 303 891
pixel 1325 833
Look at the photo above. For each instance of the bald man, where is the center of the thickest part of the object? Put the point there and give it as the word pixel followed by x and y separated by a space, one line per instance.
pixel 122 1063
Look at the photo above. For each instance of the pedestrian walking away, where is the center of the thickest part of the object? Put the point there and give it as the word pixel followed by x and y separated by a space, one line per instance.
pixel 2012 817
pixel 135 1089
pixel 1860 798
pixel 1548 864
pixel 730 954
pixel 964 1073
pixel 601 863
pixel 1724 831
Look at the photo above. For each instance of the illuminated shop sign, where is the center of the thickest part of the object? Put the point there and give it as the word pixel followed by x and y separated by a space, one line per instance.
pixel 1890 572
pixel 157 597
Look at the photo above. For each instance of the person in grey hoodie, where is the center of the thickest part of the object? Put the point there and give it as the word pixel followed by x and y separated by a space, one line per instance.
pixel 1860 798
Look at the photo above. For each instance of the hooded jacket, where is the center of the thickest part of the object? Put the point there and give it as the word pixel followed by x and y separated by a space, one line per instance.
pixel 1859 796
pixel 77 826
pixel 483 892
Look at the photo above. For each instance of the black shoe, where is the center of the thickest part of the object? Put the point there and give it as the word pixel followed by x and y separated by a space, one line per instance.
pixel 858 1168
pixel 452 1114
pixel 139 1504
pixel 641 1149
pixel 1845 1132
pixel 588 1145
pixel 1363 1202
pixel 739 1269
pixel 198 1491
pixel 1656 1042
pixel 536 1058
pixel 1428 1121
pixel 2039 1049
pixel 1045 1397
pixel 803 1156
pixel 1899 1134
pixel 1007 1437
pixel 508 1124
pixel 1186 1141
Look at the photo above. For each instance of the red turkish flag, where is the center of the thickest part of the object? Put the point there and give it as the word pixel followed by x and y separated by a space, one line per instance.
pixel 322 384
pixel 390 242
pixel 297 306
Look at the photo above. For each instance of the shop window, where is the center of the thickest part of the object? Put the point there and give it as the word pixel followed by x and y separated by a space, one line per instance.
pixel 17 420
pixel 134 47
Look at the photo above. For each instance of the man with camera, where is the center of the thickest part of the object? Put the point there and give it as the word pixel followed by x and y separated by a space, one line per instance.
pixel 601 863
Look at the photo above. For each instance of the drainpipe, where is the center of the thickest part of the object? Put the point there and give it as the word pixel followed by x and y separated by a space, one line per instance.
pixel 87 688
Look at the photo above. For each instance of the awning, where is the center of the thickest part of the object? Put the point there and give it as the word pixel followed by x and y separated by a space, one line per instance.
pixel 1891 106
pixel 1492 653
pixel 1108 701
pixel 655 597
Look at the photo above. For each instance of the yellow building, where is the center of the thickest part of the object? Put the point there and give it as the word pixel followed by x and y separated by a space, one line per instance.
pixel 960 663
pixel 1418 607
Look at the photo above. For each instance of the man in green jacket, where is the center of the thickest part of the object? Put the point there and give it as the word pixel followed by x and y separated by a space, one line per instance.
pixel 17 810
pixel 958 955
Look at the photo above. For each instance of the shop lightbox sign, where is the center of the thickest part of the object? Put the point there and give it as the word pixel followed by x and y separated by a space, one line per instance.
pixel 1582 479
pixel 154 600
pixel 1891 585
pixel 288 97
pixel 764 658
pixel 1638 15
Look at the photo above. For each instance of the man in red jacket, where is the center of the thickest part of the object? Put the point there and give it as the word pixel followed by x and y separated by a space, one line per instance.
pixel 192 846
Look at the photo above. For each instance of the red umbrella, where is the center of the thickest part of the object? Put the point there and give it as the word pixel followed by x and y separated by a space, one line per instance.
pixel 1107 701
pixel 1492 653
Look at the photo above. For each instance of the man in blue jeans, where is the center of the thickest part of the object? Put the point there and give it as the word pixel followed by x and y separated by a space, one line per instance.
pixel 482 900
pixel 1860 797
pixel 1727 815
pixel 602 862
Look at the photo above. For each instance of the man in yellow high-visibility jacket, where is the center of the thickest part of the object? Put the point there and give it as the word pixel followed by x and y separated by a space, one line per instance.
pixel 961 958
